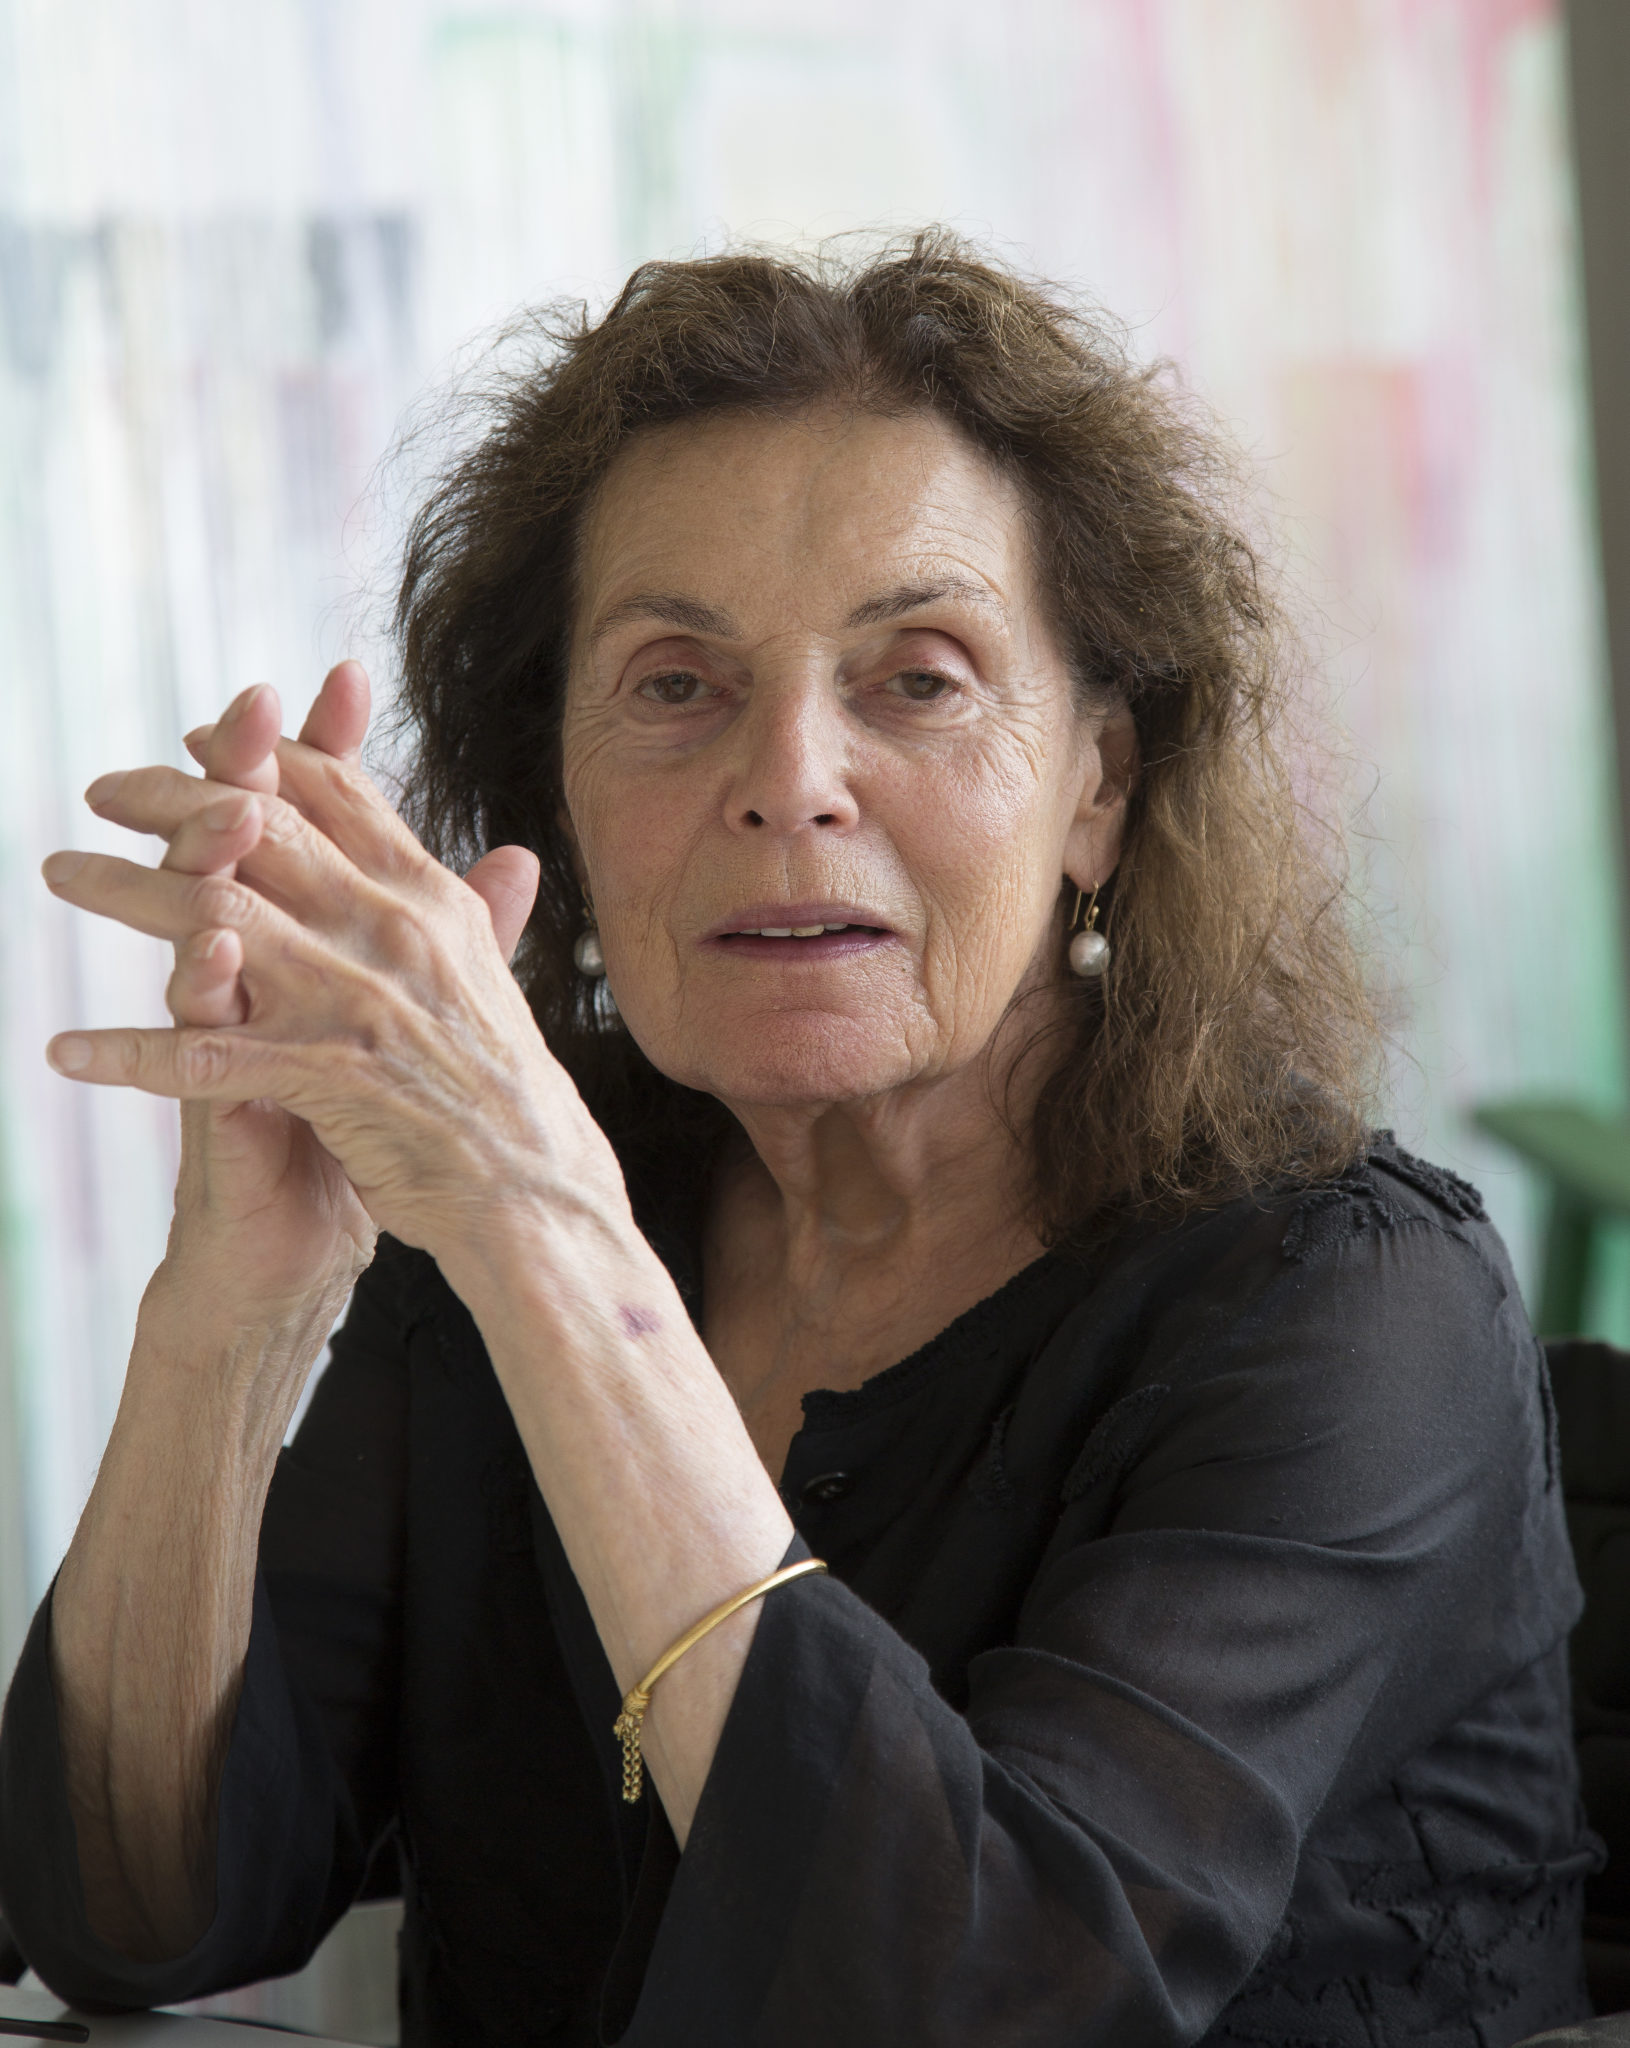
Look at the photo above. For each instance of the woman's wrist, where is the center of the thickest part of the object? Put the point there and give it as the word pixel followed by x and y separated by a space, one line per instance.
pixel 572 1271
pixel 227 1368
pixel 661 1502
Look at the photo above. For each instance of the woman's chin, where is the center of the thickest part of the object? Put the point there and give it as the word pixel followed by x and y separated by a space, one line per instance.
pixel 787 1062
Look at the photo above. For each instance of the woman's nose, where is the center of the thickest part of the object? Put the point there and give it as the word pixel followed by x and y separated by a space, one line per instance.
pixel 792 770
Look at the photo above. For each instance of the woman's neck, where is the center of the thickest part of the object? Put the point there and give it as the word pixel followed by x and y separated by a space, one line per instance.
pixel 854 1184
pixel 851 1235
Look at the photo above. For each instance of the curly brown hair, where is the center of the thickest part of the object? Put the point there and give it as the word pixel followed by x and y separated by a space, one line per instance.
pixel 1232 1044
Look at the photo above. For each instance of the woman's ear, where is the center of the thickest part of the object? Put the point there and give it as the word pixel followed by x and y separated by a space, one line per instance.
pixel 1110 773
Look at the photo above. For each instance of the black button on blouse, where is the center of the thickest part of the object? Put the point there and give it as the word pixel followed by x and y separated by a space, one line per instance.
pixel 825 1488
pixel 1191 1666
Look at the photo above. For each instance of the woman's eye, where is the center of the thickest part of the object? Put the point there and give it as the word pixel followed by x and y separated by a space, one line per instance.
pixel 677 688
pixel 921 685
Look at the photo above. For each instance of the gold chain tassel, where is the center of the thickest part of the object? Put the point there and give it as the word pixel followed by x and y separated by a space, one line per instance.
pixel 627 1730
pixel 630 1723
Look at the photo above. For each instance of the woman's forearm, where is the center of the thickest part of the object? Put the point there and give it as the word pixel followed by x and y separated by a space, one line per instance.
pixel 151 1610
pixel 662 1504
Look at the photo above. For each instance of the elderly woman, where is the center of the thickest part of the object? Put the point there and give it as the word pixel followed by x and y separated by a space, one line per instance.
pixel 888 1330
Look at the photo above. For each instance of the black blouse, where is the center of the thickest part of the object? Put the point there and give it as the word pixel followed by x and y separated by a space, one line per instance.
pixel 1191 1667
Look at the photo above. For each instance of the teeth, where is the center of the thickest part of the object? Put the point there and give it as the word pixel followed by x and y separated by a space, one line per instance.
pixel 788 931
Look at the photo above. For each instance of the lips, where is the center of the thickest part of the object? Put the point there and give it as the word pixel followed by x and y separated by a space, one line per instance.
pixel 799 931
pixel 801 921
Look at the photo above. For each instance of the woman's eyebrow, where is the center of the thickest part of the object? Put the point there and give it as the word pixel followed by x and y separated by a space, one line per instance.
pixel 908 597
pixel 690 614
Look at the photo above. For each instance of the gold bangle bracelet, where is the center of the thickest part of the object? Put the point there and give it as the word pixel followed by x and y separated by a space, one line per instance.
pixel 630 1722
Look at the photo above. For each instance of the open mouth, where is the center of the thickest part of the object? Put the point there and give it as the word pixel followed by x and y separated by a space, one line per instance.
pixel 802 932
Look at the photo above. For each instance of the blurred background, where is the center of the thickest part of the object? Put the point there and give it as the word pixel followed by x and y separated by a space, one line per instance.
pixel 241 243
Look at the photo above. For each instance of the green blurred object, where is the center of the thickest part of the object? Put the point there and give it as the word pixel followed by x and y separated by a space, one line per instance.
pixel 1584 1159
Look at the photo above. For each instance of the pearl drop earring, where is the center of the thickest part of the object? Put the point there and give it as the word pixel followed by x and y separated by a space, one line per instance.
pixel 1089 949
pixel 591 962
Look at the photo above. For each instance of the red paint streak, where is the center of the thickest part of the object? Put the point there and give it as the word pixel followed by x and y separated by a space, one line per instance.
pixel 1486 27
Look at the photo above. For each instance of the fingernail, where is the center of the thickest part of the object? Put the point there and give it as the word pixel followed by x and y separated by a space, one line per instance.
pixel 68 1054
pixel 241 703
pixel 204 945
pixel 105 788
pixel 227 813
pixel 60 868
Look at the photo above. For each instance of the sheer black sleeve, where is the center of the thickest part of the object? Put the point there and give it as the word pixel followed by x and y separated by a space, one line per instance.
pixel 1337 1526
pixel 307 1788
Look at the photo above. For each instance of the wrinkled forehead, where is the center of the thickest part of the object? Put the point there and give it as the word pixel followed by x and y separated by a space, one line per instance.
pixel 752 513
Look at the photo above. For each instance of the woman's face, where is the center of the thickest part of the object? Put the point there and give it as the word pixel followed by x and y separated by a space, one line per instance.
pixel 813 691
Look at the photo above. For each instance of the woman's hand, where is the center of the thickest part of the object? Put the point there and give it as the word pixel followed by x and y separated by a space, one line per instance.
pixel 336 971
pixel 265 1217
